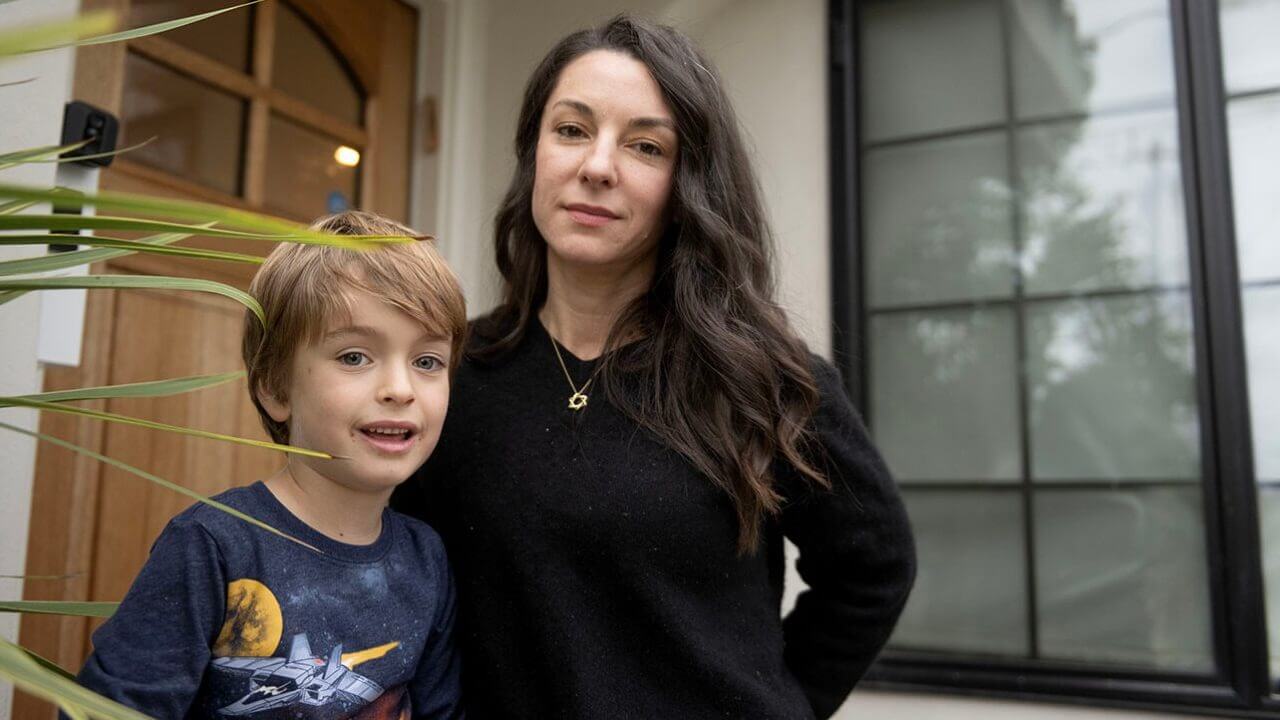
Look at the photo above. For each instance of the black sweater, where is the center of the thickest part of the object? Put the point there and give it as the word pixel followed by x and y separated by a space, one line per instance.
pixel 598 573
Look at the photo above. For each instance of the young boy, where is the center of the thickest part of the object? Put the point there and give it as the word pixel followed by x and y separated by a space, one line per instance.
pixel 228 620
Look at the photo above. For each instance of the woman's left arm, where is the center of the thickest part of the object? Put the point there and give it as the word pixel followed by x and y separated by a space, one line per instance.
pixel 856 553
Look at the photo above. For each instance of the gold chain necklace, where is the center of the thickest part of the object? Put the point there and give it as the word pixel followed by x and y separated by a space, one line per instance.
pixel 578 399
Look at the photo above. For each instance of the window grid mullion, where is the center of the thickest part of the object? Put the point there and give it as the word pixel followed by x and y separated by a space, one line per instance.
pixel 1020 330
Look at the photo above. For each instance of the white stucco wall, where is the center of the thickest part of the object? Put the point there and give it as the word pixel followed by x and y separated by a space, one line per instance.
pixel 30 115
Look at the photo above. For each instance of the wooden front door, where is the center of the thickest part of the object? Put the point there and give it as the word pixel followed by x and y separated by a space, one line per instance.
pixel 291 107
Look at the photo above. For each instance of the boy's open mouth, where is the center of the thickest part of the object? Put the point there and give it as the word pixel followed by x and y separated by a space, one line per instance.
pixel 390 436
pixel 401 433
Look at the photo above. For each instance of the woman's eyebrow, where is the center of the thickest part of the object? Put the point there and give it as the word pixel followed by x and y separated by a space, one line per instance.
pixel 640 122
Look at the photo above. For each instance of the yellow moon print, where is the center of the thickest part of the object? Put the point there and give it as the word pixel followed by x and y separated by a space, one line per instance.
pixel 253 625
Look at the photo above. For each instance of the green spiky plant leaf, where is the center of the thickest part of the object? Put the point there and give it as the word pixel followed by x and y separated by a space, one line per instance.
pixel 154 479
pixel 151 388
pixel 17 664
pixel 151 425
pixel 137 282
pixel 60 607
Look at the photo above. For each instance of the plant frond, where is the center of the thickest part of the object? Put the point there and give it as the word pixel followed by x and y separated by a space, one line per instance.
pixel 120 244
pixel 150 388
pixel 137 282
pixel 157 480
pixel 33 676
pixel 60 607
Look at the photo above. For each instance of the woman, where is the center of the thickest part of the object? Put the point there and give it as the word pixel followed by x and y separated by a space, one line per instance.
pixel 636 427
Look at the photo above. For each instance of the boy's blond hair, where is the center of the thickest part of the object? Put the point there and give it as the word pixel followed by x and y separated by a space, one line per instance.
pixel 301 289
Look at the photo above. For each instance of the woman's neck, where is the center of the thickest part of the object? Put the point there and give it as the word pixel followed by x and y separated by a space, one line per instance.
pixel 334 511
pixel 584 302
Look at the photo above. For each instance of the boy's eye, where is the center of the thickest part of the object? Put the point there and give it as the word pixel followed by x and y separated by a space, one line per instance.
pixel 352 359
pixel 428 362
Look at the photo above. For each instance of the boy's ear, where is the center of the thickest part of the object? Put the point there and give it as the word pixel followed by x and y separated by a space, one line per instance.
pixel 278 409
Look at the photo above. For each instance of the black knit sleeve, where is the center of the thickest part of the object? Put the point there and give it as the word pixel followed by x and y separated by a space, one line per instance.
pixel 856 554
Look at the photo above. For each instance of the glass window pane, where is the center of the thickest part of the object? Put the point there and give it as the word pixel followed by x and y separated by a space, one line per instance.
pixel 199 131
pixel 225 38
pixel 1249 57
pixel 1112 384
pixel 1262 342
pixel 304 177
pixel 1087 55
pixel 310 69
pixel 1121 577
pixel 930 65
pixel 1102 199
pixel 1255 184
pixel 943 403
pixel 970 591
pixel 939 221
pixel 1269 511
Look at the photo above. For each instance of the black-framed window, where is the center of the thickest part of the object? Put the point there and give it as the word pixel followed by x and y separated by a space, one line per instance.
pixel 1058 342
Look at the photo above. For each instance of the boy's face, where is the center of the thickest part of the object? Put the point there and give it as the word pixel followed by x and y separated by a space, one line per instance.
pixel 372 392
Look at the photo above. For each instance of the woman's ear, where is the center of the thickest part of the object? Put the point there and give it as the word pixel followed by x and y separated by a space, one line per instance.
pixel 277 408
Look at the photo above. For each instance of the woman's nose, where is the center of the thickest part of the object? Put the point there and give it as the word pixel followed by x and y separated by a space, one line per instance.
pixel 598 166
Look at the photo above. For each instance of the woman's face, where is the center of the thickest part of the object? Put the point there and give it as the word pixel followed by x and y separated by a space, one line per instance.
pixel 606 158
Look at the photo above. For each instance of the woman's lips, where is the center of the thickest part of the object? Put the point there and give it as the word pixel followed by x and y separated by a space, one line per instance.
pixel 590 216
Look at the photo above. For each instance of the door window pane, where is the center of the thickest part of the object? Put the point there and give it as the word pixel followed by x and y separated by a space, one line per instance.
pixel 1078 56
pixel 1102 202
pixel 1121 577
pixel 1262 344
pixel 304 177
pixel 1112 384
pixel 199 131
pixel 1254 124
pixel 1269 510
pixel 308 68
pixel 970 591
pixel 225 38
pixel 1250 60
pixel 943 396
pixel 914 81
pixel 939 222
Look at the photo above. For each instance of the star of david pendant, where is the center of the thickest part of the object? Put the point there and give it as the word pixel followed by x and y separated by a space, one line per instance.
pixel 577 401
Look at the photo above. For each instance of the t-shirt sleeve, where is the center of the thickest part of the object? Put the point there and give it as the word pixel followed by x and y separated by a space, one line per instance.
pixel 856 553
pixel 152 653
pixel 436 689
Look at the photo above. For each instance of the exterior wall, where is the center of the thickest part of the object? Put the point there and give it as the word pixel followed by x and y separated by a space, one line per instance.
pixel 30 115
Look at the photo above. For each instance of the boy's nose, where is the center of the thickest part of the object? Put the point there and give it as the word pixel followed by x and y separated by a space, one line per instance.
pixel 396 388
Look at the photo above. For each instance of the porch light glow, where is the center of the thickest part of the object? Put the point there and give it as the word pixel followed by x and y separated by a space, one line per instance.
pixel 347 156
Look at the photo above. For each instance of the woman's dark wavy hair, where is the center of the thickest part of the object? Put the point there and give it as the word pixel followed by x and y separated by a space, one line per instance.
pixel 714 370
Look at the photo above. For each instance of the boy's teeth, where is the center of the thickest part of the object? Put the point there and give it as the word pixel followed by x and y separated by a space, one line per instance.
pixel 381 431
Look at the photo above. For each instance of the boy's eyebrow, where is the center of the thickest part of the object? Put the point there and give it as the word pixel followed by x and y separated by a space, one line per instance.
pixel 351 330
pixel 366 331
pixel 640 122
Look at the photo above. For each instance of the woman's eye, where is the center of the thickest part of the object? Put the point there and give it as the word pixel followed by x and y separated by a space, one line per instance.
pixel 648 148
pixel 570 131
pixel 428 362
pixel 352 359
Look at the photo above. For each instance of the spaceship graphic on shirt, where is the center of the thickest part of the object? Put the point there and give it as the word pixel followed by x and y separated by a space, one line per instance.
pixel 300 679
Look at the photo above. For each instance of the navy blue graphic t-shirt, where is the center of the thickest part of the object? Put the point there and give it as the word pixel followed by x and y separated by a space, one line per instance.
pixel 228 620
